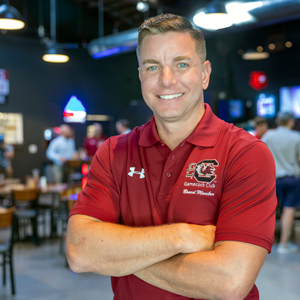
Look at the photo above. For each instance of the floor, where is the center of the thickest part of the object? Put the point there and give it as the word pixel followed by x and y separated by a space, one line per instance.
pixel 41 274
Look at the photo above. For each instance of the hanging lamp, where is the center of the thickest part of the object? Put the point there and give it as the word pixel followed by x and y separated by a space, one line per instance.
pixel 255 55
pixel 54 53
pixel 10 18
pixel 213 17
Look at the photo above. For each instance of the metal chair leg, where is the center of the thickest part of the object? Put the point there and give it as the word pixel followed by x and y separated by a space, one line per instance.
pixel 12 278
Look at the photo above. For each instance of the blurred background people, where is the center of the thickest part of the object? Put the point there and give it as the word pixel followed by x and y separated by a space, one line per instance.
pixel 6 155
pixel 261 126
pixel 123 126
pixel 284 143
pixel 60 150
pixel 94 139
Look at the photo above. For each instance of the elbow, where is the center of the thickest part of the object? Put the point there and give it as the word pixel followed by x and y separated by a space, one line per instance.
pixel 74 260
pixel 233 289
pixel 79 263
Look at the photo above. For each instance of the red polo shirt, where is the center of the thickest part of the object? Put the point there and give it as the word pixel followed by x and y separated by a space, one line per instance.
pixel 219 175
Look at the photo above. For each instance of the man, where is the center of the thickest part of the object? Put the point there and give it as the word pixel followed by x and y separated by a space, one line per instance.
pixel 123 126
pixel 284 144
pixel 7 153
pixel 153 196
pixel 91 144
pixel 261 126
pixel 60 150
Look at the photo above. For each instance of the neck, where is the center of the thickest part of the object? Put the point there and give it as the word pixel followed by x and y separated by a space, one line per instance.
pixel 173 133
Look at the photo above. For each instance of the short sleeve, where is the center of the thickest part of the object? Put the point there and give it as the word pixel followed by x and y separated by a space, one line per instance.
pixel 100 196
pixel 248 203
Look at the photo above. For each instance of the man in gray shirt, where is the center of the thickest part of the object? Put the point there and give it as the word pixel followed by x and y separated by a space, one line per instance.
pixel 284 143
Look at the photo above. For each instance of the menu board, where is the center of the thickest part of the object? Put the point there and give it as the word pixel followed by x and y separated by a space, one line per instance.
pixel 11 125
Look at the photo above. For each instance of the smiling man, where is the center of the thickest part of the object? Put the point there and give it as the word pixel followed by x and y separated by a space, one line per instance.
pixel 184 206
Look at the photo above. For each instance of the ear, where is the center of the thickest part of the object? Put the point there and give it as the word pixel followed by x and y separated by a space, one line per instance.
pixel 140 74
pixel 206 71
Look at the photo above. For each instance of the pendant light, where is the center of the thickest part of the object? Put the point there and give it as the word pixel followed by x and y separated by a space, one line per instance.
pixel 10 18
pixel 214 16
pixel 54 53
pixel 255 55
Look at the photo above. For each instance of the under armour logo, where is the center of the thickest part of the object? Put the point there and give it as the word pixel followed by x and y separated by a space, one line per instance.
pixel 132 171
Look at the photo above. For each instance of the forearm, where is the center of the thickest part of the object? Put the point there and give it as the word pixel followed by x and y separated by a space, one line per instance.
pixel 215 274
pixel 116 250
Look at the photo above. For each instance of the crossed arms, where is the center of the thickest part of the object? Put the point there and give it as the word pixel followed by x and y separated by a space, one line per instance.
pixel 180 258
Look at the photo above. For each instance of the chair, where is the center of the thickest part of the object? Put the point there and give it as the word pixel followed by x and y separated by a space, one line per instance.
pixel 26 202
pixel 7 220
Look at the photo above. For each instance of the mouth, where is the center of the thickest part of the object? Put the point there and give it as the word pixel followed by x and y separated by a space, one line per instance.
pixel 173 96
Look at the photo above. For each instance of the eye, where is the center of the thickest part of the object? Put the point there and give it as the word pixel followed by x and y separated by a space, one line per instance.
pixel 182 65
pixel 153 68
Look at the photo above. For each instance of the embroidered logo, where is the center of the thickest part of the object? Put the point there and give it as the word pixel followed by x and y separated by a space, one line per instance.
pixel 203 171
pixel 132 171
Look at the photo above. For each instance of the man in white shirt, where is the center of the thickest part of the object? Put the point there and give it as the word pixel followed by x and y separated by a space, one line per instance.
pixel 60 150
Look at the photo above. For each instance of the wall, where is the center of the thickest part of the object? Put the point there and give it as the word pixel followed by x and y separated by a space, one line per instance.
pixel 40 91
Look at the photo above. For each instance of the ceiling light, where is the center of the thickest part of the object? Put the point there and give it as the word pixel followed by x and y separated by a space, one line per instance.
pixel 213 17
pixel 55 55
pixel 254 55
pixel 260 49
pixel 10 18
pixel 142 6
pixel 272 46
pixel 239 12
pixel 288 44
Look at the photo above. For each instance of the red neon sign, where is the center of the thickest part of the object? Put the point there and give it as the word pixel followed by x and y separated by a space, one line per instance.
pixel 258 80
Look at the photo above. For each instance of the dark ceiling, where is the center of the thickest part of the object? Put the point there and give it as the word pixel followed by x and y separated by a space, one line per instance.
pixel 78 21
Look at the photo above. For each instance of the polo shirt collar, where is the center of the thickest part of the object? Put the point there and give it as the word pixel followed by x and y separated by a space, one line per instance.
pixel 205 134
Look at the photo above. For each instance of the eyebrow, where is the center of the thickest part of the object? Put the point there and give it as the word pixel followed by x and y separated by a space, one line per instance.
pixel 153 61
pixel 178 58
pixel 150 61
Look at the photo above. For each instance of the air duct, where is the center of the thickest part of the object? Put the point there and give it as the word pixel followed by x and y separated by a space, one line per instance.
pixel 125 41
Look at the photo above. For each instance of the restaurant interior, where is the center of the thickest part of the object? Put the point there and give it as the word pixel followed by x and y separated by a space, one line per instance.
pixel 255 72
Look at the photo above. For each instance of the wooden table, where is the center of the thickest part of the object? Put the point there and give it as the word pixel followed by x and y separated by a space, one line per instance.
pixel 57 188
pixel 53 189
pixel 6 210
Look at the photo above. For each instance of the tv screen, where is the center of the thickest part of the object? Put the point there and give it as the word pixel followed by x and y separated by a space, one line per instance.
pixel 290 99
pixel 231 110
pixel 236 109
pixel 265 106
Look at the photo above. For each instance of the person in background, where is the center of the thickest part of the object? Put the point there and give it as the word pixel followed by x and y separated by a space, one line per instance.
pixel 123 126
pixel 182 207
pixel 261 126
pixel 7 153
pixel 91 144
pixel 60 150
pixel 284 143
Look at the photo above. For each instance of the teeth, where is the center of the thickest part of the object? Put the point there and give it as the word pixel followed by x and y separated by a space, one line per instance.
pixel 170 96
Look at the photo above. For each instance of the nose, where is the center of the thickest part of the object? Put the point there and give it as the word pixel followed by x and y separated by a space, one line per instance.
pixel 167 78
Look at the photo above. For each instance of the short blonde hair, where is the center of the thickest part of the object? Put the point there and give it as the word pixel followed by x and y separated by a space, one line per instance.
pixel 171 23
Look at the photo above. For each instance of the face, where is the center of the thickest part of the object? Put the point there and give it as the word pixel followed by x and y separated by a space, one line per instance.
pixel 98 129
pixel 173 77
pixel 66 131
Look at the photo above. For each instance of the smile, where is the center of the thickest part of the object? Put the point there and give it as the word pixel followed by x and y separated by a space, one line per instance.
pixel 170 96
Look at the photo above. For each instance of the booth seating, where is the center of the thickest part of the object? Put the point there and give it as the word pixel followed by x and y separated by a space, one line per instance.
pixel 7 220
